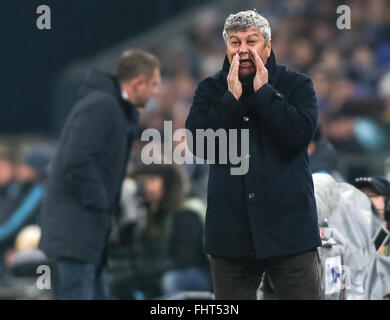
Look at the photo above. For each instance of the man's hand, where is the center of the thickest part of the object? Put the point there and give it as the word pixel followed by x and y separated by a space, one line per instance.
pixel 261 76
pixel 234 84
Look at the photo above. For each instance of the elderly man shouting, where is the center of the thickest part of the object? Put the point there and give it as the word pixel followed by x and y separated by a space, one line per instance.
pixel 264 220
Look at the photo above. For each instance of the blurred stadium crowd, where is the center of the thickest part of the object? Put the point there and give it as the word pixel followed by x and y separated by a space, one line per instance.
pixel 351 74
pixel 349 68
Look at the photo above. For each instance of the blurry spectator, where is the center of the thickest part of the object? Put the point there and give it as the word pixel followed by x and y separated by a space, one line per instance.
pixel 339 129
pixel 302 54
pixel 352 268
pixel 167 241
pixel 331 59
pixel 322 34
pixel 6 199
pixel 342 90
pixel 322 82
pixel 28 190
pixel 35 165
pixel 24 258
pixel 323 157
pixel 363 70
pixel 26 195
pixel 197 173
pixel 6 177
pixel 361 124
pixel 377 189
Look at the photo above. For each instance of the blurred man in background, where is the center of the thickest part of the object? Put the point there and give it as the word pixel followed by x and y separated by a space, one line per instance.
pixel 265 219
pixel 87 174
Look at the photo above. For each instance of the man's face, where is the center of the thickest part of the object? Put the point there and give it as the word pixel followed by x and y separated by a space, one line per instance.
pixel 147 88
pixel 240 42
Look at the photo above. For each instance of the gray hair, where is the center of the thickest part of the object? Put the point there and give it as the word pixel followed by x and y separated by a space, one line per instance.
pixel 244 20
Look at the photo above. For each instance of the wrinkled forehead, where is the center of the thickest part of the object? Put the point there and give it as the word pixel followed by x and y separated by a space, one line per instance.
pixel 244 33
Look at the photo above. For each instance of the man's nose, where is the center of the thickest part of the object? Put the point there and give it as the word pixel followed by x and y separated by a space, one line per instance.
pixel 244 50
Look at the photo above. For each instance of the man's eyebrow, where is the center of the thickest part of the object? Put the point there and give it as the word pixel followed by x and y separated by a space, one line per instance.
pixel 233 36
pixel 252 35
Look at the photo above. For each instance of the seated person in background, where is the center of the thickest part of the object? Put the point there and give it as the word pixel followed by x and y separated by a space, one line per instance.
pixel 27 190
pixel 377 189
pixel 6 198
pixel 24 258
pixel 323 156
pixel 167 239
pixel 6 178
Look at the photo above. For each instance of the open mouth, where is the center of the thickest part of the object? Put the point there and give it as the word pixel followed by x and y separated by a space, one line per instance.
pixel 246 62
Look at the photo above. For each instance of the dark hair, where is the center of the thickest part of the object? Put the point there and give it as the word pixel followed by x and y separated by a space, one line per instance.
pixel 380 185
pixel 134 63
pixel 176 184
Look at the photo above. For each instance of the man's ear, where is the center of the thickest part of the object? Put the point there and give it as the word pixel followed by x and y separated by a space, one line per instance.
pixel 269 48
pixel 138 81
pixel 311 148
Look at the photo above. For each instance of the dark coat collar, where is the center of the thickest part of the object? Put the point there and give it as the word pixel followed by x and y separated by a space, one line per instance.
pixel 102 81
pixel 270 65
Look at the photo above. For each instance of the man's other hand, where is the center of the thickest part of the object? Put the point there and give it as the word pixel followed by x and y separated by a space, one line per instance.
pixel 261 76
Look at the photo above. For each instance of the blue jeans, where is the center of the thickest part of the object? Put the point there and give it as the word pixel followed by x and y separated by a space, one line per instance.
pixel 78 280
pixel 190 279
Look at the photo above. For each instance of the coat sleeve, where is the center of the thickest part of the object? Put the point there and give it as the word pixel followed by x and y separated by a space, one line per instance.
pixel 209 113
pixel 291 124
pixel 82 148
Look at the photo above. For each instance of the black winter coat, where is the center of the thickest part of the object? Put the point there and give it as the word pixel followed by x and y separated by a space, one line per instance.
pixel 270 211
pixel 87 174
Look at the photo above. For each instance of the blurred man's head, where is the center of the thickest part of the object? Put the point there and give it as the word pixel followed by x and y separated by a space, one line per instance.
pixel 139 76
pixel 244 30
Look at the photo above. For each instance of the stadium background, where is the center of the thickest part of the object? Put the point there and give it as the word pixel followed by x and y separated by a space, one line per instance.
pixel 42 69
